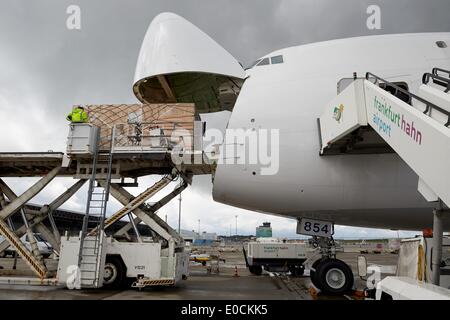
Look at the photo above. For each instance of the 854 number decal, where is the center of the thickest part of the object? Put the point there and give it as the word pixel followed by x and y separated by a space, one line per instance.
pixel 315 228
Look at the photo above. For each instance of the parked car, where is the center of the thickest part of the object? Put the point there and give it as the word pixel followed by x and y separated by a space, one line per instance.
pixel 45 248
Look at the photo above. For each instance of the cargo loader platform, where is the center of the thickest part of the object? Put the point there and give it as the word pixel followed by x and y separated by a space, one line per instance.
pixel 118 143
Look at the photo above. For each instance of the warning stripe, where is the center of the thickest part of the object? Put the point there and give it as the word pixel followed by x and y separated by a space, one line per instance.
pixel 37 267
pixel 155 282
pixel 136 202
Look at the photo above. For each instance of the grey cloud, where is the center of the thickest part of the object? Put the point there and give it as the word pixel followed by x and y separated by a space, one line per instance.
pixel 45 68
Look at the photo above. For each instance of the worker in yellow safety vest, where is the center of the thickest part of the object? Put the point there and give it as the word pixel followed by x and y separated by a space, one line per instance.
pixel 77 115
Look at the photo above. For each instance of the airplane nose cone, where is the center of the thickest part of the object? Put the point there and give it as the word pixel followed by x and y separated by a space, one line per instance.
pixel 178 62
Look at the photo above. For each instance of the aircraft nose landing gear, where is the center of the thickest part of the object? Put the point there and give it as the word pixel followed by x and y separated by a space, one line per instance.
pixel 333 276
pixel 328 274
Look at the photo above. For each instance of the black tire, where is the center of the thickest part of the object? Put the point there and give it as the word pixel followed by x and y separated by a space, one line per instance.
pixel 386 296
pixel 114 275
pixel 334 277
pixel 313 274
pixel 203 263
pixel 297 270
pixel 256 270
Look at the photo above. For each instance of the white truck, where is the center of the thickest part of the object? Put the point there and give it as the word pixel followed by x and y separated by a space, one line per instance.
pixel 124 263
pixel 275 255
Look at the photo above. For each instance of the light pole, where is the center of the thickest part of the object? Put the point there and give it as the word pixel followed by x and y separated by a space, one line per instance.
pixel 198 227
pixel 236 223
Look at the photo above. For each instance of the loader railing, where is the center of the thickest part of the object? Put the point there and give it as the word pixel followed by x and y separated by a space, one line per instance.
pixel 157 136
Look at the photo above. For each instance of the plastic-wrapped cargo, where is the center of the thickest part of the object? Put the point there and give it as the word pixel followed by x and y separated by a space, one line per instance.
pixel 145 125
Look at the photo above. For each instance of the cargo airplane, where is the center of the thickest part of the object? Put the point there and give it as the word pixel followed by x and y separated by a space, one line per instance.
pixel 287 90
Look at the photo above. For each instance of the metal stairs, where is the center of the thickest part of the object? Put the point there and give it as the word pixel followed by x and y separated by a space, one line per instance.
pixel 92 255
pixel 414 127
pixel 92 261
pixel 440 77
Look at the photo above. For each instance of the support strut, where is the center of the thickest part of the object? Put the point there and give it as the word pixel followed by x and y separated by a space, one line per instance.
pixel 29 194
pixel 153 221
pixel 27 216
pixel 151 210
pixel 37 219
pixel 131 205
pixel 436 258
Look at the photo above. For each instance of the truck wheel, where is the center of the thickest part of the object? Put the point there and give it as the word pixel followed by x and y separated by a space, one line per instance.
pixel 334 277
pixel 313 274
pixel 297 271
pixel 114 273
pixel 256 270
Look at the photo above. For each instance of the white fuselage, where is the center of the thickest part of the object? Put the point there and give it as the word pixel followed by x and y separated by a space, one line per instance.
pixel 375 190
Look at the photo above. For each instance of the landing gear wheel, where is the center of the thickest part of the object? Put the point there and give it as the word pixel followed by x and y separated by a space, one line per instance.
pixel 256 270
pixel 114 274
pixel 334 277
pixel 313 274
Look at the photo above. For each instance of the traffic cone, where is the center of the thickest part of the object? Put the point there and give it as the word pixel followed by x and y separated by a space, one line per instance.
pixel 313 292
pixel 359 294
pixel 236 274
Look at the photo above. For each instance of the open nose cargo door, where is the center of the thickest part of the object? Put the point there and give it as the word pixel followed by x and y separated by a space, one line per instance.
pixel 179 63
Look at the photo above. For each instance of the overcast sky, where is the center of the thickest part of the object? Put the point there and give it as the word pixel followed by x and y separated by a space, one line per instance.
pixel 46 68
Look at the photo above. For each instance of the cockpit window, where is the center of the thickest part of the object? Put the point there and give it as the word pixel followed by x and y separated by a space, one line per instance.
pixel 253 64
pixel 277 59
pixel 264 62
pixel 267 61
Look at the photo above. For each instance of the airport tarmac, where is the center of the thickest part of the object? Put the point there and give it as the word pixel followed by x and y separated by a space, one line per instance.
pixel 201 284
